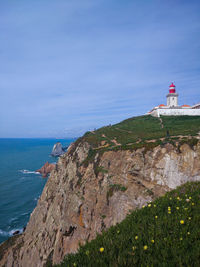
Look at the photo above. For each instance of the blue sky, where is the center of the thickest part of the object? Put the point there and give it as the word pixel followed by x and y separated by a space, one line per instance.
pixel 71 66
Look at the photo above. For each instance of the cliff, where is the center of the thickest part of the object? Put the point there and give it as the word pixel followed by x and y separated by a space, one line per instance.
pixel 93 187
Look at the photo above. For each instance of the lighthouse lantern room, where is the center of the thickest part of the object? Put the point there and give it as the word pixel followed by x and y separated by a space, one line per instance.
pixel 172 97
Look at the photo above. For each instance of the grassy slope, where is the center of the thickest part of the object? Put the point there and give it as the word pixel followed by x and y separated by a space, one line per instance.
pixel 131 132
pixel 142 131
pixel 171 239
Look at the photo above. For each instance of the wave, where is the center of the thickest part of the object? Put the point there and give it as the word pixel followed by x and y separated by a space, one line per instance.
pixel 10 233
pixel 13 219
pixel 14 230
pixel 28 172
pixel 3 233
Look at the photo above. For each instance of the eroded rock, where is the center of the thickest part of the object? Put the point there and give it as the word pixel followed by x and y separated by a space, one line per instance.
pixel 46 169
pixel 79 200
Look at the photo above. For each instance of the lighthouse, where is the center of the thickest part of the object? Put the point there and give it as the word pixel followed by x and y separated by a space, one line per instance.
pixel 172 97
pixel 172 108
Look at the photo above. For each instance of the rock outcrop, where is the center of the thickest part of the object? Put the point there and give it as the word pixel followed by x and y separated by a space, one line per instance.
pixel 57 150
pixel 46 169
pixel 82 197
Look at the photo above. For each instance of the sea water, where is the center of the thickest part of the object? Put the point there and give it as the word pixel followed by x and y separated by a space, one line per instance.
pixel 20 184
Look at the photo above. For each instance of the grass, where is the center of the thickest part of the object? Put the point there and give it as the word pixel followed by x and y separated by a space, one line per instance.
pixel 182 125
pixel 144 128
pixel 166 232
pixel 142 131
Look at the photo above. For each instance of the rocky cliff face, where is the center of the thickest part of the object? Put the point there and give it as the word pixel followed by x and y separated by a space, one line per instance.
pixel 80 200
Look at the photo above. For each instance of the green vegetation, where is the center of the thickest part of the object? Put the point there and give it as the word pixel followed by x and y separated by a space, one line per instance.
pixel 163 233
pixel 182 125
pixel 117 187
pixel 142 131
pixel 114 188
pixel 101 169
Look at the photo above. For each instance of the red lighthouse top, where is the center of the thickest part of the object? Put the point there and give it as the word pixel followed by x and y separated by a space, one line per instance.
pixel 172 89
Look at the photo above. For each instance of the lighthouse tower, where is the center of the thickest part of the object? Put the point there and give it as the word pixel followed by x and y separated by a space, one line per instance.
pixel 172 97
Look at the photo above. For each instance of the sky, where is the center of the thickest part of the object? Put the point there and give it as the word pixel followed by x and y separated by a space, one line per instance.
pixel 67 67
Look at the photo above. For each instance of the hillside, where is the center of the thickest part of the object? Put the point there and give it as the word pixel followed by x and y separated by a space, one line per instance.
pixel 143 131
pixel 163 233
pixel 101 178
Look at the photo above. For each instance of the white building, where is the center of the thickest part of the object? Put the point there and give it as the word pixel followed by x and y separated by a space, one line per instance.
pixel 172 108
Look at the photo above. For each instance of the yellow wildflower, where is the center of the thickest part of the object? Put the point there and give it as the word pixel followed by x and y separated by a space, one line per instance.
pixel 154 205
pixel 190 198
pixel 134 248
pixel 178 198
pixel 149 205
pixel 177 208
pixel 101 249
pixel 156 217
pixel 170 198
pixel 169 212
pixel 188 233
pixel 136 237
pixel 169 208
pixel 181 221
pixel 152 241
pixel 181 238
pixel 118 231
pixel 192 203
pixel 189 218
pixel 143 206
pixel 145 247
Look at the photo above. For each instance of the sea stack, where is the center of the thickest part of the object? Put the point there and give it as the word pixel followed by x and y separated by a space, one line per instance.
pixel 58 150
pixel 46 169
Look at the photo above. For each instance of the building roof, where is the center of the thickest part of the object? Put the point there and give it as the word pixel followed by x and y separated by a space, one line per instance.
pixel 188 106
pixel 196 106
pixel 172 89
pixel 172 85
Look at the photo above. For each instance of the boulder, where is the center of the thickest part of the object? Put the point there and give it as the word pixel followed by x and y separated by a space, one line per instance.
pixel 46 169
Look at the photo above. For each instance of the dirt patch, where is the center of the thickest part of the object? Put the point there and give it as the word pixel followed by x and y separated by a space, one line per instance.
pixel 115 142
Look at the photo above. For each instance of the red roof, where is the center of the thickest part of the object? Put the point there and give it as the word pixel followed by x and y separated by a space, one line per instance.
pixel 172 89
pixel 161 105
pixel 172 85
pixel 185 106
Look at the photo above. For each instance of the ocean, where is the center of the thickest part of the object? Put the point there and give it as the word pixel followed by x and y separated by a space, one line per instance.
pixel 20 185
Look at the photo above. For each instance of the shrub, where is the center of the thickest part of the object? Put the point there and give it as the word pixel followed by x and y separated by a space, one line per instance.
pixel 159 234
